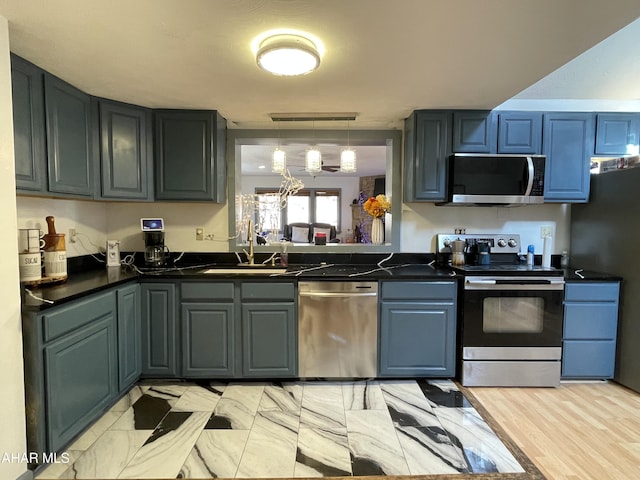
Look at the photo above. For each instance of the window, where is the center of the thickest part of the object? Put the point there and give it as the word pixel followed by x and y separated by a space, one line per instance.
pixel 307 206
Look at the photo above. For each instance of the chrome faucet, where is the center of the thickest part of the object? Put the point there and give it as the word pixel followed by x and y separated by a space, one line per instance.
pixel 249 254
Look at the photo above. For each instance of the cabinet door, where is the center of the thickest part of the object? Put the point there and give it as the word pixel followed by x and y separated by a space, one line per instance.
pixel 427 146
pixel 567 143
pixel 129 331
pixel 68 150
pixel 125 151
pixel 269 340
pixel 81 378
pixel 159 330
pixel 520 132
pixel 588 358
pixel 475 132
pixel 417 339
pixel 614 131
pixel 208 340
pixel 189 155
pixel 28 125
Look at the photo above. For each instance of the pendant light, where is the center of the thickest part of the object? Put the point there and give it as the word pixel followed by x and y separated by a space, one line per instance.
pixel 313 159
pixel 278 158
pixel 348 157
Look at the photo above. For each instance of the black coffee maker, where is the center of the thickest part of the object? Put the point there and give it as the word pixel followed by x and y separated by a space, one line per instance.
pixel 156 253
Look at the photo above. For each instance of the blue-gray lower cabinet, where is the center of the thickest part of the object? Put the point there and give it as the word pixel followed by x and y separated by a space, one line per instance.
pixel 590 329
pixel 209 329
pixel 269 329
pixel 567 142
pixel 129 332
pixel 159 338
pixel 80 365
pixel 417 334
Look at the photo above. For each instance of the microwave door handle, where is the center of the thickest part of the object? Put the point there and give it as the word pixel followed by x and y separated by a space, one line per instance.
pixel 530 181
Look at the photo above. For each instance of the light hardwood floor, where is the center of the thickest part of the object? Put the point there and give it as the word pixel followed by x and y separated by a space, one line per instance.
pixel 579 431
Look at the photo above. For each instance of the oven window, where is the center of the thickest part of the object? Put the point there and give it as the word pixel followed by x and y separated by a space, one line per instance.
pixel 513 315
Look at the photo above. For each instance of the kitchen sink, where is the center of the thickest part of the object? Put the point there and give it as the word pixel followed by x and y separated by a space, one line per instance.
pixel 246 270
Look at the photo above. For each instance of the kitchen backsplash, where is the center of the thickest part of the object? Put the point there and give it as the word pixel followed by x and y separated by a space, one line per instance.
pixel 96 222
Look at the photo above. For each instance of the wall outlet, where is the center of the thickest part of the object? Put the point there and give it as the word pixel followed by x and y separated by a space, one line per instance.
pixel 546 231
pixel 72 235
pixel 200 233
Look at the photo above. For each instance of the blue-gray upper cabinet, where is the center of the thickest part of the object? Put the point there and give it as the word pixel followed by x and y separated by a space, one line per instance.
pixel 614 131
pixel 520 132
pixel 567 142
pixel 208 327
pixel 159 339
pixel 475 131
pixel 70 163
pixel 129 333
pixel 427 147
pixel 269 329
pixel 417 329
pixel 80 365
pixel 28 125
pixel 190 155
pixel 126 151
pixel 590 329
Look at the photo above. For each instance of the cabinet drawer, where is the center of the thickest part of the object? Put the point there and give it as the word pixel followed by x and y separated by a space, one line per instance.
pixel 591 320
pixel 68 318
pixel 267 291
pixel 588 359
pixel 207 291
pixel 444 291
pixel 587 291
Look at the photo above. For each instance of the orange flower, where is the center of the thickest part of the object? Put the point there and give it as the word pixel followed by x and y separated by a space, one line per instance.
pixel 377 206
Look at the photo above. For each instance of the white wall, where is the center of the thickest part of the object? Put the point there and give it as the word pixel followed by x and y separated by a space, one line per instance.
pixel 87 217
pixel 422 221
pixel 12 416
pixel 181 220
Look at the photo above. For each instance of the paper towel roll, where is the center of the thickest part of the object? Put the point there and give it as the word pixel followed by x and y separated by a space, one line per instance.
pixel 546 251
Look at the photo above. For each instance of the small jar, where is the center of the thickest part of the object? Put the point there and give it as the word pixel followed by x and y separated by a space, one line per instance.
pixel 284 255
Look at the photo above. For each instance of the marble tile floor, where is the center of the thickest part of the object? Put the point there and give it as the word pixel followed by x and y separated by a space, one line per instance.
pixel 297 429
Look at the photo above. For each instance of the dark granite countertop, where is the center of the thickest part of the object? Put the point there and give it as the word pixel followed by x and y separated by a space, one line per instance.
pixel 579 275
pixel 77 285
pixel 83 283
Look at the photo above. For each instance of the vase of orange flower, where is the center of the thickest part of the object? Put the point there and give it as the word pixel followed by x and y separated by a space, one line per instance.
pixel 377 207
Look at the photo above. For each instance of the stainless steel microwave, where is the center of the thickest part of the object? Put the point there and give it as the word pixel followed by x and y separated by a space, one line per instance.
pixel 479 179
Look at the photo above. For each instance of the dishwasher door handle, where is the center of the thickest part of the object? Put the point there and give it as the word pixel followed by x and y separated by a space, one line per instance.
pixel 338 294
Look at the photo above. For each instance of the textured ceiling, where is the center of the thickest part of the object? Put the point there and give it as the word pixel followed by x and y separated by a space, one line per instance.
pixel 382 58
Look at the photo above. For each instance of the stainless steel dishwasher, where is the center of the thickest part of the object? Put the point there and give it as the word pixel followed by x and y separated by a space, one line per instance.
pixel 337 329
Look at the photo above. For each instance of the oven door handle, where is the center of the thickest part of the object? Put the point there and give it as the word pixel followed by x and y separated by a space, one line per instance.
pixel 512 284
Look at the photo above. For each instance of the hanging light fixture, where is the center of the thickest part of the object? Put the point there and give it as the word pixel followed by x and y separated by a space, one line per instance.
pixel 279 157
pixel 288 54
pixel 313 160
pixel 348 156
pixel 278 161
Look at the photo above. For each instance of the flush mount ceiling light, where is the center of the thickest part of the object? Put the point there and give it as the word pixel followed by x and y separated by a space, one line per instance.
pixel 288 55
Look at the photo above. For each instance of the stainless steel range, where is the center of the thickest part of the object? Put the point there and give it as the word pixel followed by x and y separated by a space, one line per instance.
pixel 512 315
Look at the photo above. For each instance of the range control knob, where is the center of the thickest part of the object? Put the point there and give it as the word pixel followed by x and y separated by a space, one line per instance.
pixel 447 242
pixel 512 243
pixel 502 243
